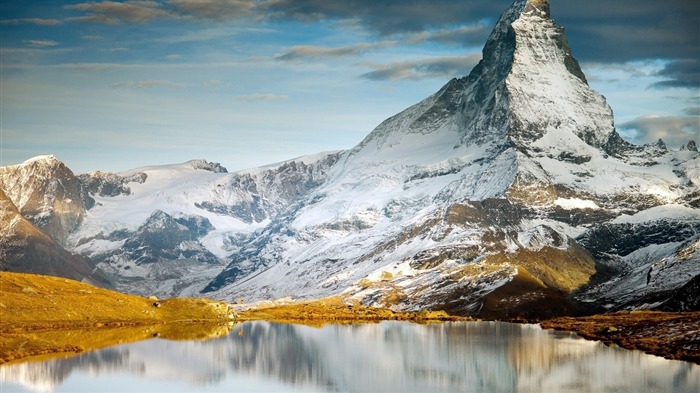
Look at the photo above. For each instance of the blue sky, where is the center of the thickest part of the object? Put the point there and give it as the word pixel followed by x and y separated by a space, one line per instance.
pixel 116 85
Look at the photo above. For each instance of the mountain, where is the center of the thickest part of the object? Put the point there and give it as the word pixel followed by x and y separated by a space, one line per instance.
pixel 487 198
pixel 508 193
pixel 47 193
pixel 25 248
pixel 169 230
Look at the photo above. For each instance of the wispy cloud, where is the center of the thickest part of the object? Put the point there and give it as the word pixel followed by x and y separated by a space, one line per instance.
pixel 42 43
pixel 261 97
pixel 201 35
pixel 148 84
pixel 144 11
pixel 694 111
pixel 35 21
pixel 311 51
pixel 89 66
pixel 463 35
pixel 110 12
pixel 441 67
pixel 680 73
pixel 674 130
pixel 215 9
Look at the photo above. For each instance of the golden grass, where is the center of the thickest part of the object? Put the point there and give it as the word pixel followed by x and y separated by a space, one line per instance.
pixel 29 301
pixel 48 315
pixel 42 316
pixel 334 310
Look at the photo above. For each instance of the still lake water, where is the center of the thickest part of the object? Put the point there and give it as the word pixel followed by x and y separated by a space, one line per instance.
pixel 385 357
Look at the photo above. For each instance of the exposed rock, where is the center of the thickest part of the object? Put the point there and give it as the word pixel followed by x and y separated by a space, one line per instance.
pixel 27 249
pixel 208 166
pixel 47 193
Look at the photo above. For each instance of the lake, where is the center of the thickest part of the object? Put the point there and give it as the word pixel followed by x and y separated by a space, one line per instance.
pixel 384 357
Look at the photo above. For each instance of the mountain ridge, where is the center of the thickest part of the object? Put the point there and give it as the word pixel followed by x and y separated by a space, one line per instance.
pixel 508 193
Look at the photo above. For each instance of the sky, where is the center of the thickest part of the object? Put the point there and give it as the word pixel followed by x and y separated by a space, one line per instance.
pixel 115 85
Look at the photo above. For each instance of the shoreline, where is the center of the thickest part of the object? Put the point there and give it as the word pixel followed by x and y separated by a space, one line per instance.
pixel 45 316
pixel 674 336
pixel 671 335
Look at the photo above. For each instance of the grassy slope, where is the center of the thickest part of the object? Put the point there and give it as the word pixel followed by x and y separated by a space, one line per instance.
pixel 335 310
pixel 43 314
pixel 36 302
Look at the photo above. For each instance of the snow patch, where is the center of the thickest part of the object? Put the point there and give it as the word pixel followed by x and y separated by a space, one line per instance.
pixel 665 212
pixel 576 204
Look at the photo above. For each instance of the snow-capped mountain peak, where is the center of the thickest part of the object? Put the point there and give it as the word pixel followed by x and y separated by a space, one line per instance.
pixel 485 184
pixel 508 193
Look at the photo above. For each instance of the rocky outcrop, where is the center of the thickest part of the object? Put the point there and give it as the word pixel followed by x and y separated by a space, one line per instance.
pixel 47 193
pixel 108 184
pixel 26 249
pixel 168 237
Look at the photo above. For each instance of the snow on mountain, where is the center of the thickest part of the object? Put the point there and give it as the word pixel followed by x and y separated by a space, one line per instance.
pixel 508 193
pixel 47 193
pixel 486 184
pixel 130 205
pixel 25 248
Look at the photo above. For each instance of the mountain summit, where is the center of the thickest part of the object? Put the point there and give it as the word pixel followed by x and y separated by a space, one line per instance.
pixel 486 188
pixel 526 84
pixel 506 194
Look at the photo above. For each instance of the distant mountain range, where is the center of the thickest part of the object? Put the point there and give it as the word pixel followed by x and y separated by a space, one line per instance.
pixel 508 193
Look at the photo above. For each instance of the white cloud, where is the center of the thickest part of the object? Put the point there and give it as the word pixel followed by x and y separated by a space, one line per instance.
pixel 42 43
pixel 35 21
pixel 312 51
pixel 675 131
pixel 440 67
pixel 262 97
pixel 148 84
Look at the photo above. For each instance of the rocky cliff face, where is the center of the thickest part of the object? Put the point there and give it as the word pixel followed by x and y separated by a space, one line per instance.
pixel 47 193
pixel 26 249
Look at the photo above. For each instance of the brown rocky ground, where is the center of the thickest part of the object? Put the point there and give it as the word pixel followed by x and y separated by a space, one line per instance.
pixel 666 334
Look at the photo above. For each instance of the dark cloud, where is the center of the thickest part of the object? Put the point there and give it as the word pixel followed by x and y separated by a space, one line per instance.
pixel 680 73
pixel 695 111
pixel 674 130
pixel 442 67
pixel 389 17
pixel 632 30
pixel 599 31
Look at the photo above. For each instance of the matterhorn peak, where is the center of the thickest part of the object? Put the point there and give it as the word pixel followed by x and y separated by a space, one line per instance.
pixel 537 7
pixel 527 85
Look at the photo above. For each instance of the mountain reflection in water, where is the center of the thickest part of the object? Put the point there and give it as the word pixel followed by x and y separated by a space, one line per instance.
pixel 390 356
